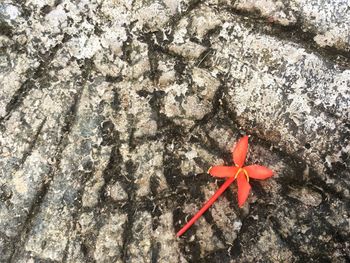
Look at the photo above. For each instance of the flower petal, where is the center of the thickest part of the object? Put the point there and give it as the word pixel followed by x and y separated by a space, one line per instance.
pixel 223 171
pixel 243 189
pixel 240 151
pixel 258 172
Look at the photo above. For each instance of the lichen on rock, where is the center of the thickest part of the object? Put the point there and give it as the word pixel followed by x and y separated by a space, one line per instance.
pixel 111 113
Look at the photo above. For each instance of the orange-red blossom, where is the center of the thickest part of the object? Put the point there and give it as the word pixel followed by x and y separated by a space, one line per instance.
pixel 239 172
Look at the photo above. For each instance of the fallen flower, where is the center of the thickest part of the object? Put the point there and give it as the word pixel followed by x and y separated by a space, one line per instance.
pixel 239 172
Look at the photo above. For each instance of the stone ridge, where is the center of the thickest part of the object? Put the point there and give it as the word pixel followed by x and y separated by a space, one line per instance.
pixel 328 21
pixel 111 113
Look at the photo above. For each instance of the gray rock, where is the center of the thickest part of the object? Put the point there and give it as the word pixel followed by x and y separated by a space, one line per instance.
pixel 327 21
pixel 111 113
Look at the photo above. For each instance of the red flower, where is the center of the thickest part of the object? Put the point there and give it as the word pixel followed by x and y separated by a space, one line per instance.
pixel 242 173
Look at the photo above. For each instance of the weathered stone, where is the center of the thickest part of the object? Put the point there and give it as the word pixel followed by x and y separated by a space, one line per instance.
pixel 330 28
pixel 189 50
pixel 109 243
pixel 147 166
pixel 117 192
pixel 185 103
pixel 140 248
pixel 111 113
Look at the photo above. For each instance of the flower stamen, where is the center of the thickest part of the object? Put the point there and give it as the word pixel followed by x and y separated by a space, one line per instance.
pixel 246 174
pixel 244 171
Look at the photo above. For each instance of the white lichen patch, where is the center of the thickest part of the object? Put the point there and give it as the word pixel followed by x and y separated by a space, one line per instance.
pixel 19 182
pixel 306 196
pixel 116 192
pixel 196 160
pixel 186 103
pixel 202 21
pixel 189 50
pixel 10 11
pixel 167 76
pixel 275 11
pixel 13 68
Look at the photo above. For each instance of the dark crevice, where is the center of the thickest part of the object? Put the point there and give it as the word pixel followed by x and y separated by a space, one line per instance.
pixel 220 255
pixel 66 249
pixel 114 79
pixel 153 56
pixel 190 249
pixel 32 143
pixel 73 231
pixel 111 174
pixel 127 46
pixel 127 229
pixel 39 74
pixel 5 29
pixel 156 212
pixel 155 248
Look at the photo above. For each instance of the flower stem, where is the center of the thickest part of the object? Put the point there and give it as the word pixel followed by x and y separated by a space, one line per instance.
pixel 206 206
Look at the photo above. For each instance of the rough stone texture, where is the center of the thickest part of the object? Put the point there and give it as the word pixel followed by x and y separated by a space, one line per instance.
pixel 327 20
pixel 111 112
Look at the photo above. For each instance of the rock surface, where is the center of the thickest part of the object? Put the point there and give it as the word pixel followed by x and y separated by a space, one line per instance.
pixel 111 112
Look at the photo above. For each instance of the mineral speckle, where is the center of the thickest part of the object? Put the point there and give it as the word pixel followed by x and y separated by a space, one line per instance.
pixel 111 113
